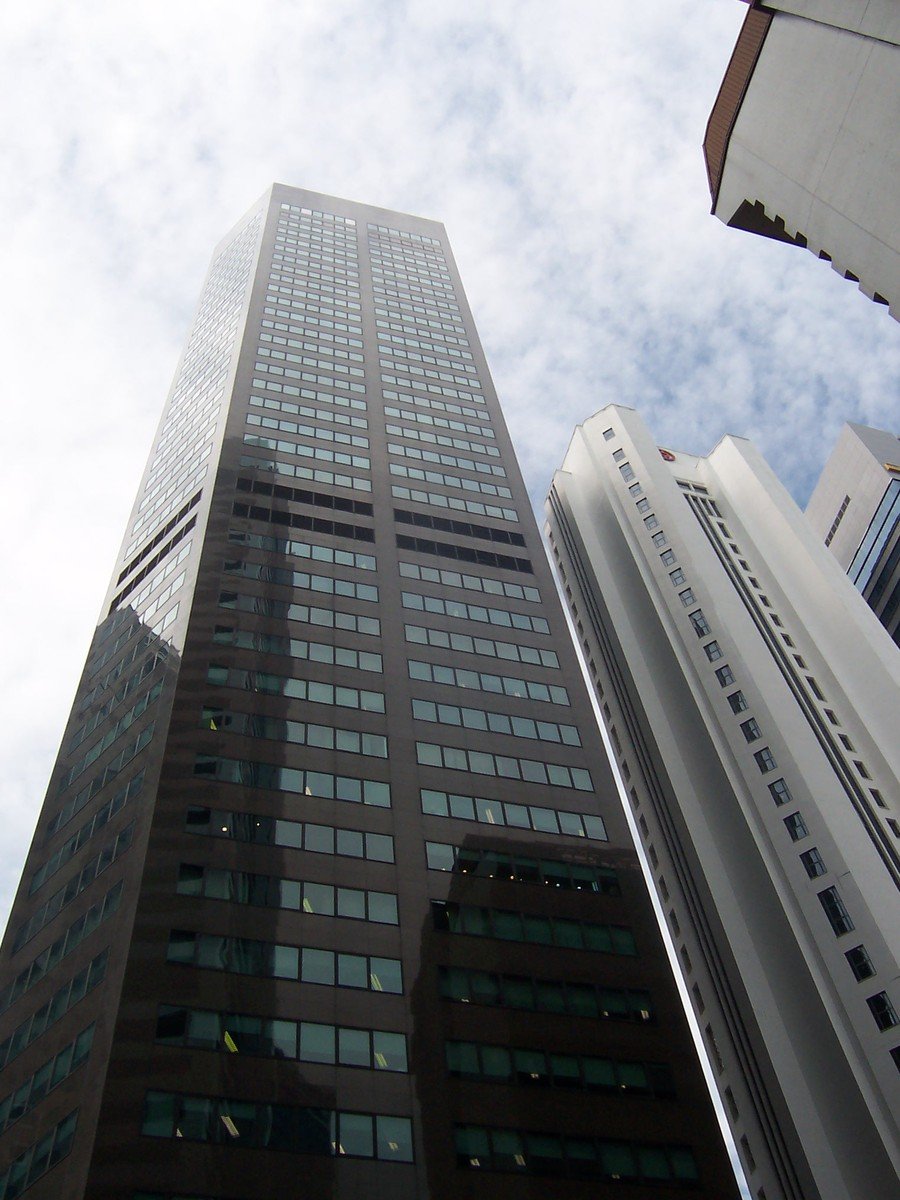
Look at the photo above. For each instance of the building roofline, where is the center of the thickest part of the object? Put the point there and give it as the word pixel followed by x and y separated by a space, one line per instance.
pixel 731 94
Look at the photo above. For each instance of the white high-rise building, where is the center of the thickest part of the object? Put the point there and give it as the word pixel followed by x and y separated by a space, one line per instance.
pixel 752 699
pixel 855 508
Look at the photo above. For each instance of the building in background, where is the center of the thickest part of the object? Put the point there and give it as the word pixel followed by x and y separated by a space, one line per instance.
pixel 332 882
pixel 801 144
pixel 855 508
pixel 752 700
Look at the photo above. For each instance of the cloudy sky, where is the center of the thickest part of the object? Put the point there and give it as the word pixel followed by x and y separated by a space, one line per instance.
pixel 560 144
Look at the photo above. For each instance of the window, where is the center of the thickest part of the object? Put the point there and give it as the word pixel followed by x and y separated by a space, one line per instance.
pixel 796 827
pixel 750 729
pixel 738 702
pixel 677 576
pixel 667 558
pixel 781 793
pixel 813 862
pixel 860 963
pixel 835 911
pixel 643 505
pixel 687 597
pixel 636 489
pixel 700 623
pixel 883 1011
pixel 609 434
pixel 725 676
pixel 713 651
pixel 765 760
pixel 814 687
pixel 652 522
pixel 627 472
pixel 618 455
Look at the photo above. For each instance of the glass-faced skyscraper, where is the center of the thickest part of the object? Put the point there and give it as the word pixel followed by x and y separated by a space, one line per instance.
pixel 331 894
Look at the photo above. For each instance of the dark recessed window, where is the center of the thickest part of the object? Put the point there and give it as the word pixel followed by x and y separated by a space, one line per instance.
pixel 750 729
pixel 738 701
pixel 781 793
pixel 796 827
pixel 835 911
pixel 860 963
pixel 883 1011
pixel 725 676
pixel 713 651
pixel 813 862
pixel 765 760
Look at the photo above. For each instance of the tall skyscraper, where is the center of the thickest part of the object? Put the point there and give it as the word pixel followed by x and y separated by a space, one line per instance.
pixel 752 699
pixel 331 893
pixel 855 507
pixel 801 143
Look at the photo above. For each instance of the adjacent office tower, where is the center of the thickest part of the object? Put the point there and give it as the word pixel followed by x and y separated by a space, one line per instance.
pixel 331 889
pixel 855 507
pixel 801 144
pixel 752 699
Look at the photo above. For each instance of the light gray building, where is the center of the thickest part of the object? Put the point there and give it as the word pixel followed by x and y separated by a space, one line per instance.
pixel 751 699
pixel 801 144
pixel 855 508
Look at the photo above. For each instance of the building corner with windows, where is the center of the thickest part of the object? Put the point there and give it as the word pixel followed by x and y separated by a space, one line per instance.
pixel 751 700
pixel 332 881
pixel 855 508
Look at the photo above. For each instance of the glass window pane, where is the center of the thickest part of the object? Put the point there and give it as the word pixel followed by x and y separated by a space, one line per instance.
pixel 318 966
pixel 355 1134
pixel 385 975
pixel 388 1051
pixel 317 1042
pixel 353 1047
pixel 394 1138
pixel 352 971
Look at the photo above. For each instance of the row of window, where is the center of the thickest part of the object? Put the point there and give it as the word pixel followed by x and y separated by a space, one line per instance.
pixel 270 1037
pixel 276 960
pixel 528 994
pixel 503 618
pixel 323 434
pixel 445 460
pixel 448 406
pixel 326 618
pixel 488 533
pixel 157 558
pixel 425 418
pixel 476 762
pixel 473 583
pixel 118 670
pixel 325 585
pixel 463 643
pixel 317 1131
pixel 404 318
pixel 517 816
pixel 435 359
pixel 38 1159
pixel 439 439
pixel 501 685
pixel 494 722
pixel 539 1068
pixel 438 500
pixel 295 733
pixel 48 1076
pixel 311 550
pixel 533 928
pixel 294 895
pixel 304 496
pixel 53 905
pixel 485 558
pixel 73 844
pixel 451 481
pixel 316 474
pixel 288 779
pixel 80 928
pixel 551 1154
pixel 294 835
pixel 273 643
pixel 325 314
pixel 341 529
pixel 331 298
pixel 302 450
pixel 487 863
pixel 315 346
pixel 298 689
pixel 309 376
pixel 297 410
pixel 321 334
pixel 64 998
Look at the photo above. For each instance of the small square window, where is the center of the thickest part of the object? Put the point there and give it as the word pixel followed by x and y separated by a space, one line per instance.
pixel 878 798
pixel 652 522
pixel 667 558
pixel 751 731
pixel 627 471
pixel 765 760
pixel 860 963
pixel 660 539
pixel 725 676
pixel 813 862
pixel 677 576
pixel 618 455
pixel 687 597
pixel 781 793
pixel 700 623
pixel 713 651
pixel 609 434
pixel 738 702
pixel 835 911
pixel 796 827
pixel 643 505
pixel 883 1011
